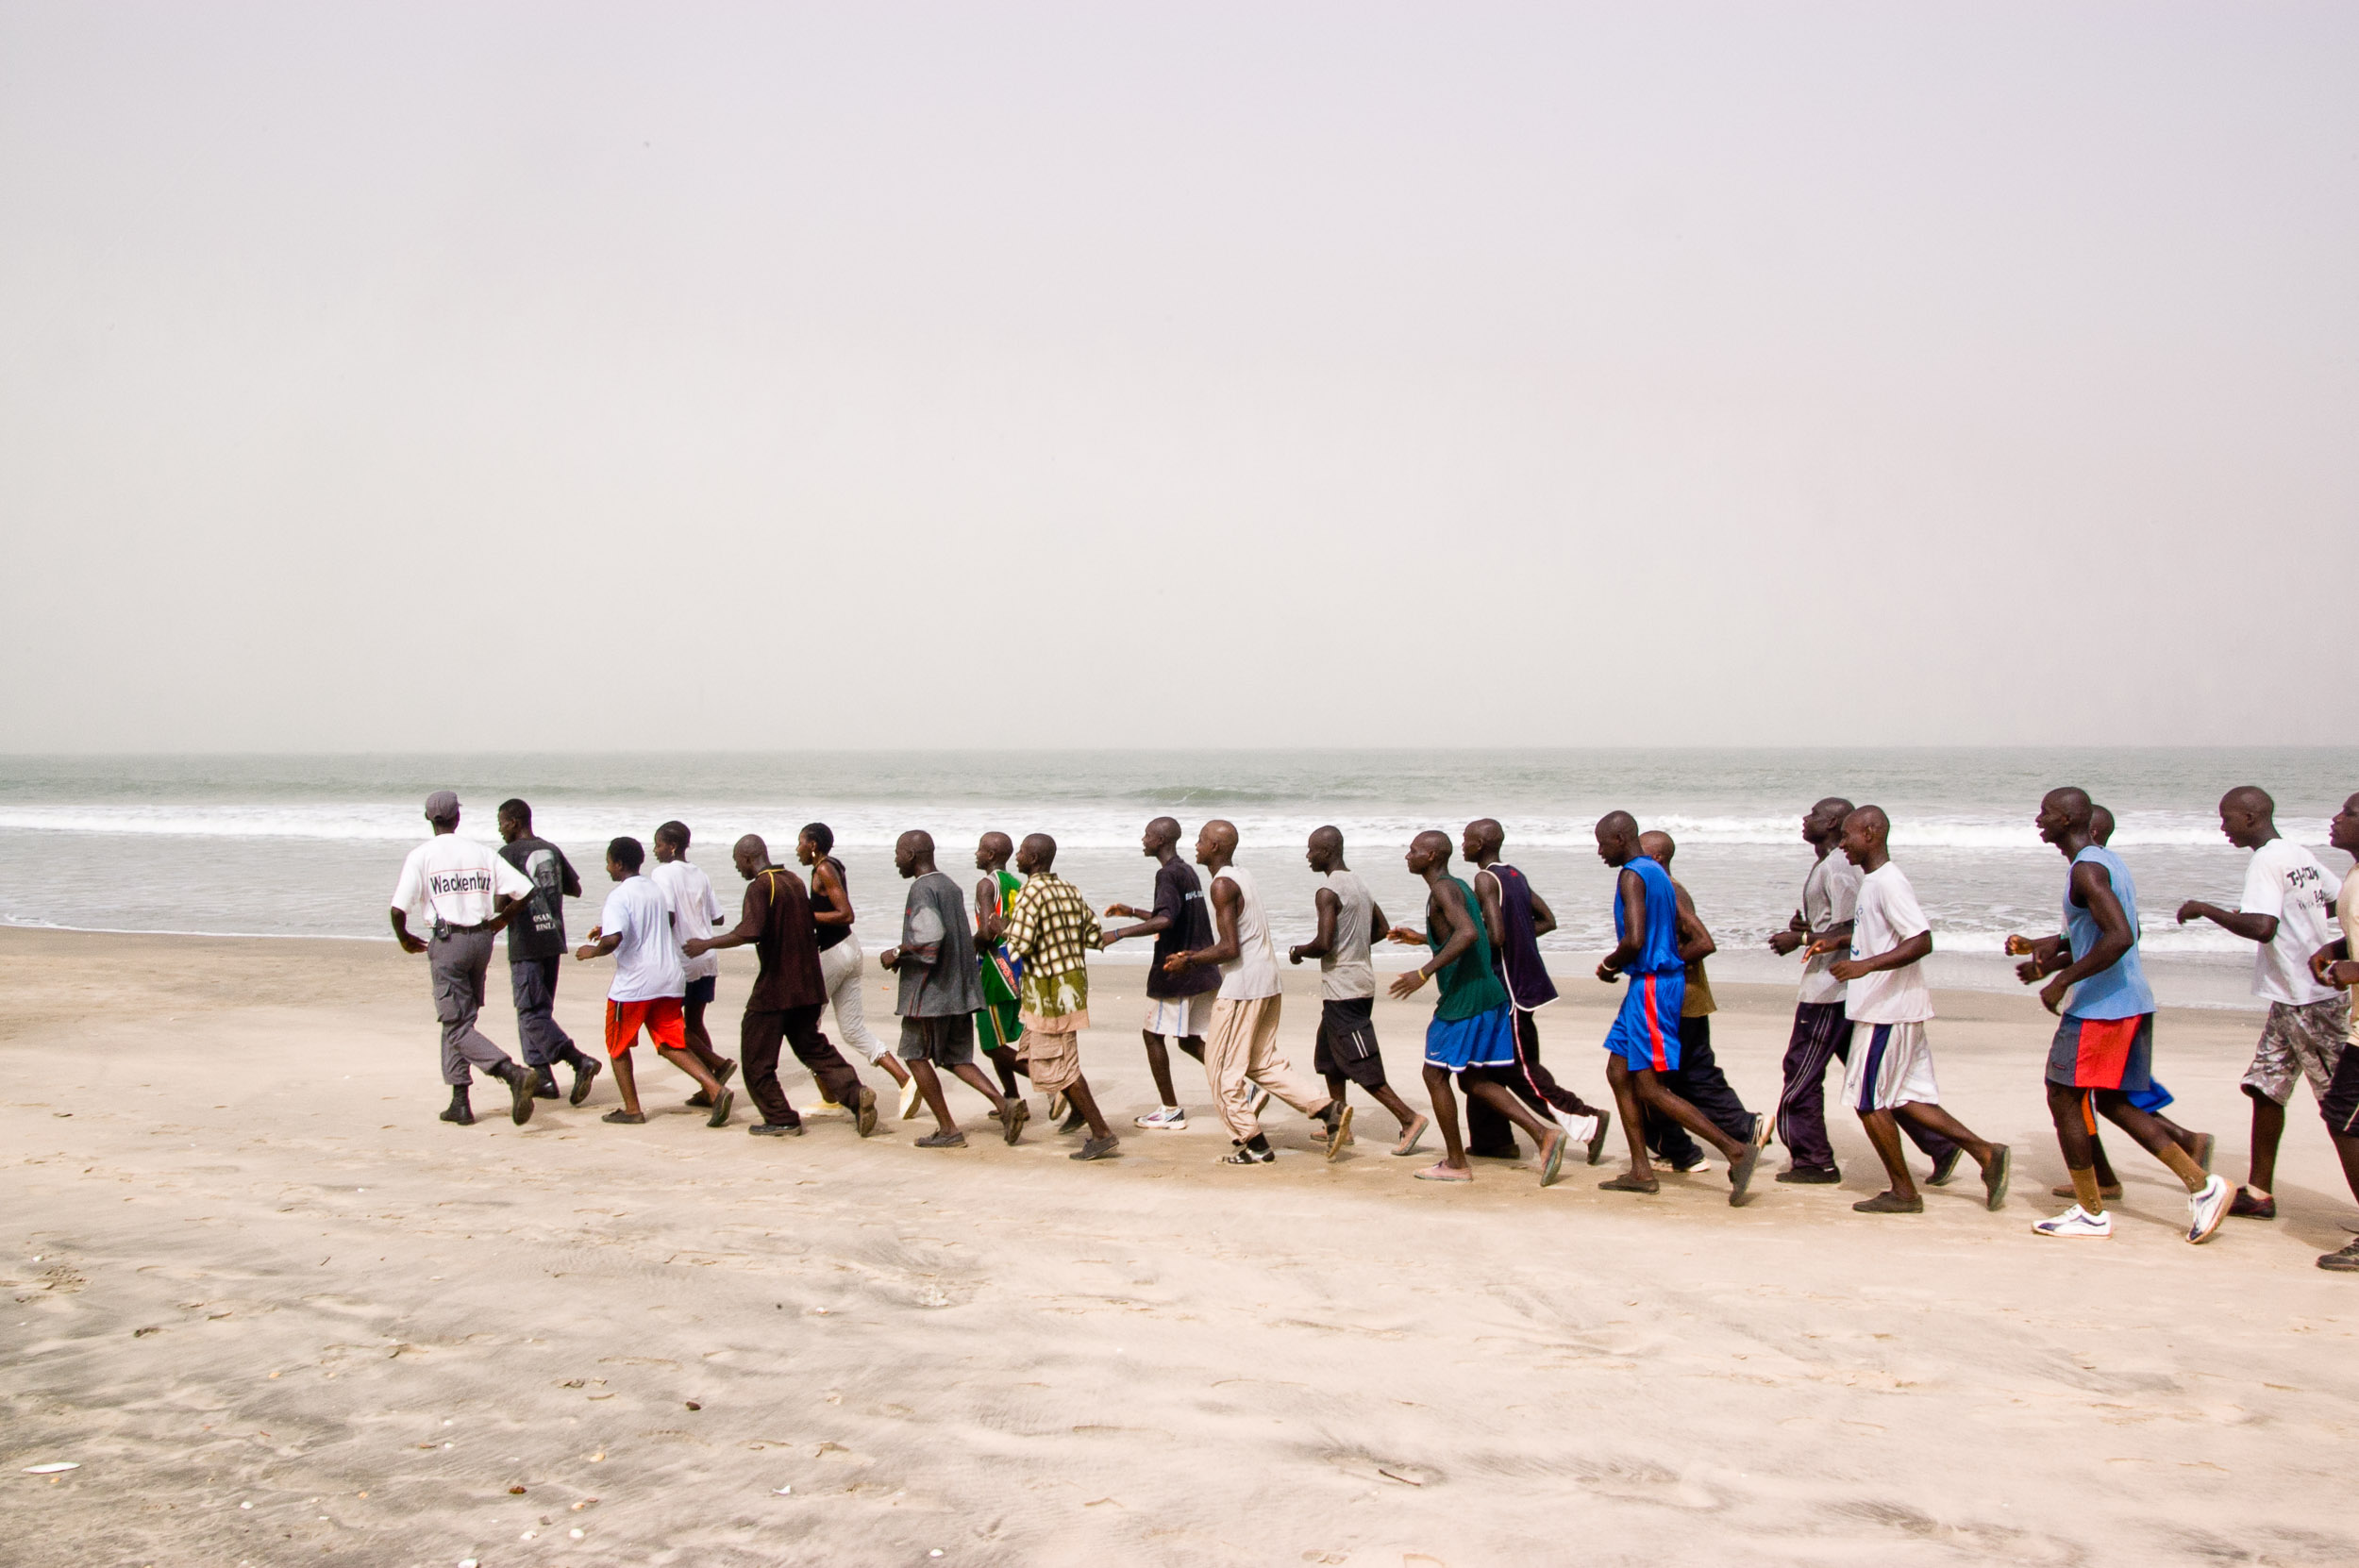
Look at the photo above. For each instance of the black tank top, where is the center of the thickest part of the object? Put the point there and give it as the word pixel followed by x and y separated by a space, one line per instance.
pixel 827 936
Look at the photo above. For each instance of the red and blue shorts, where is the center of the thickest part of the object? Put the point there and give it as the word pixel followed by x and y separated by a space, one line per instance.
pixel 1646 1033
pixel 661 1016
pixel 2104 1053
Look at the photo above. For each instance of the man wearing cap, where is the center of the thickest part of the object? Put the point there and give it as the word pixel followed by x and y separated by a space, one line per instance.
pixel 467 893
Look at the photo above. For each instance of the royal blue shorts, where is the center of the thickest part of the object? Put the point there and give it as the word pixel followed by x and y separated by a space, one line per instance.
pixel 1486 1040
pixel 1646 1033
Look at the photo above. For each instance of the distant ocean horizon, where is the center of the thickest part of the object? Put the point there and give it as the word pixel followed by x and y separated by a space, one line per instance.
pixel 290 845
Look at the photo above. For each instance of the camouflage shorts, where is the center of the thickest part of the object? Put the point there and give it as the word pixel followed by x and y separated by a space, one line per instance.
pixel 2303 1041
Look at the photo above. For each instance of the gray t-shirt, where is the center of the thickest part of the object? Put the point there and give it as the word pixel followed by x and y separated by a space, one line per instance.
pixel 935 917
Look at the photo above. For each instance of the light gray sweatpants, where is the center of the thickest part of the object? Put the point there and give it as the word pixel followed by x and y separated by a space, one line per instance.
pixel 457 961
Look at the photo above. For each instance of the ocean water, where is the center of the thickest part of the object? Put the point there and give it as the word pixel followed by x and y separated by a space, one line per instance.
pixel 292 845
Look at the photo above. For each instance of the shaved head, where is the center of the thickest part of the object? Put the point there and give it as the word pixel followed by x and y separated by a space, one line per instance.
pixel 1486 835
pixel 996 845
pixel 1166 828
pixel 1220 833
pixel 2073 802
pixel 2100 823
pixel 1872 821
pixel 1433 842
pixel 751 844
pixel 1834 806
pixel 917 839
pixel 1329 839
pixel 1656 845
pixel 2250 799
pixel 1617 824
pixel 1041 850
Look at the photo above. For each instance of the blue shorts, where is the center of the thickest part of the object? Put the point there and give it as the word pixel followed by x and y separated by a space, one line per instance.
pixel 1486 1040
pixel 1646 1033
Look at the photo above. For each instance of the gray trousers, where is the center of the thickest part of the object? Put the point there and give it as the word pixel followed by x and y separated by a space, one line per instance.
pixel 457 961
pixel 533 983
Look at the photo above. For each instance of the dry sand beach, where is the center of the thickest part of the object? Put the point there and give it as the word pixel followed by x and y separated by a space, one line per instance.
pixel 278 1313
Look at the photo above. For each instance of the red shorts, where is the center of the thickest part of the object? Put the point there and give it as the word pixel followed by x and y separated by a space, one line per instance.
pixel 659 1015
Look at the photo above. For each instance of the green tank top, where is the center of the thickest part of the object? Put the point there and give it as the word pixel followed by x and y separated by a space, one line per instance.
pixel 1470 985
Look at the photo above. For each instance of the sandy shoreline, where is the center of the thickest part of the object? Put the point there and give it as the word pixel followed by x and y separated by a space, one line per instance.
pixel 247 1266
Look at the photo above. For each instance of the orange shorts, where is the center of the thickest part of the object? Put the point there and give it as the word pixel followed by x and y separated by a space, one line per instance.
pixel 660 1015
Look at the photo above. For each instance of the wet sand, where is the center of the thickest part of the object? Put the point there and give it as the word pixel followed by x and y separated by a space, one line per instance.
pixel 279 1313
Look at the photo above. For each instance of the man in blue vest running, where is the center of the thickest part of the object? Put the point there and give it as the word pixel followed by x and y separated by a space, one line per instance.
pixel 1642 1046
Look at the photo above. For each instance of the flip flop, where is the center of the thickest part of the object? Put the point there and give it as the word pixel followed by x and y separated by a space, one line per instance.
pixel 1994 1177
pixel 1624 1183
pixel 1741 1175
pixel 626 1118
pixel 1413 1135
pixel 1338 1133
pixel 1012 1125
pixel 721 1108
pixel 1554 1164
pixel 1596 1139
pixel 1443 1172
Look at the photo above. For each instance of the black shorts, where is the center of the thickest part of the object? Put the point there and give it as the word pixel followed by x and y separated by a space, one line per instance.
pixel 1347 1043
pixel 2339 1105
pixel 702 989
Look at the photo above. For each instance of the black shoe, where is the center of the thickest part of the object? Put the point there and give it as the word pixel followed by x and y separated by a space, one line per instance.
pixel 1943 1168
pixel 543 1084
pixel 777 1129
pixel 2247 1207
pixel 1247 1154
pixel 521 1083
pixel 459 1112
pixel 1074 1121
pixel 1097 1148
pixel 2344 1261
pixel 1810 1175
pixel 584 1070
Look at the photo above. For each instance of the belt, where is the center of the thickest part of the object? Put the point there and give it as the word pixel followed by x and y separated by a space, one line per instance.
pixel 443 930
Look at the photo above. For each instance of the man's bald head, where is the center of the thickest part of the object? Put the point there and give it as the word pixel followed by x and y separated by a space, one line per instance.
pixel 917 839
pixel 1429 852
pixel 993 849
pixel 1164 830
pixel 1617 838
pixel 2070 801
pixel 2100 824
pixel 1871 819
pixel 1485 836
pixel 1328 838
pixel 1217 843
pixel 749 855
pixel 1656 845
pixel 2249 799
pixel 1038 853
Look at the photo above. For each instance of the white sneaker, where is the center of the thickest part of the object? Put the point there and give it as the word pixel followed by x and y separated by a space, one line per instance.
pixel 1700 1164
pixel 2078 1224
pixel 908 1097
pixel 1169 1119
pixel 2207 1207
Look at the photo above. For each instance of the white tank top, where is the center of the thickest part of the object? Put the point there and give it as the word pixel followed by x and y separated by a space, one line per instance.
pixel 1344 973
pixel 1253 972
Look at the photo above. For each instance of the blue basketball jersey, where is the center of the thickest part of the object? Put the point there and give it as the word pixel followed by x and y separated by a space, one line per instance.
pixel 1658 951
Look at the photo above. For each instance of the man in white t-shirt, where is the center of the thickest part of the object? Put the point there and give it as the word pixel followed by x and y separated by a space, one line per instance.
pixel 2285 909
pixel 696 915
pixel 466 893
pixel 2333 965
pixel 1890 1075
pixel 636 927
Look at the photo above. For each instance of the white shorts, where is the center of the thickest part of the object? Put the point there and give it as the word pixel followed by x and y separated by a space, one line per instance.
pixel 1181 1017
pixel 1892 1064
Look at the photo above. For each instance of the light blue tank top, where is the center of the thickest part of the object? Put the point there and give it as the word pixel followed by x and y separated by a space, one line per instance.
pixel 1659 953
pixel 2120 991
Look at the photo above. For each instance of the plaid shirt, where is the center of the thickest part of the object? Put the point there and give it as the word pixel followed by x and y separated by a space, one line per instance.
pixel 1050 925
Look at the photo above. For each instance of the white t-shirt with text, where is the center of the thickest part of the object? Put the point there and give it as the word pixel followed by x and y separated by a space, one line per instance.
pixel 1886 916
pixel 449 880
pixel 648 963
pixel 2286 880
pixel 695 911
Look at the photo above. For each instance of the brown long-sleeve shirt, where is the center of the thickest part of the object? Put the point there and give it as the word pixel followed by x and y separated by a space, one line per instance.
pixel 776 921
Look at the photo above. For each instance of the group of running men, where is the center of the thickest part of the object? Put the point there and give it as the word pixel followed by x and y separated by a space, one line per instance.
pixel 1002 973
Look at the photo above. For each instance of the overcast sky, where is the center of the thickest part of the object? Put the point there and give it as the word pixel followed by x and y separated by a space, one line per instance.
pixel 492 377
